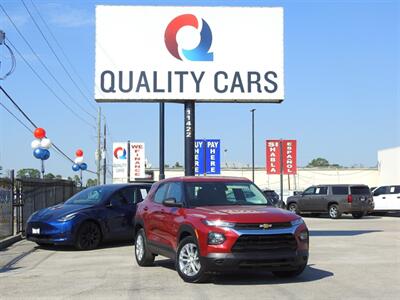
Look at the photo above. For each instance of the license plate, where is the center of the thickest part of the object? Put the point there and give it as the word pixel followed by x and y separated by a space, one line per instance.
pixel 35 230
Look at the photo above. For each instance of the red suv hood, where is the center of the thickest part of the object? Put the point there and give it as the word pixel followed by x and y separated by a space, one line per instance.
pixel 243 214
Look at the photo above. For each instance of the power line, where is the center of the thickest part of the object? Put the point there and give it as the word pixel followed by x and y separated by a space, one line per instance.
pixel 55 54
pixel 33 124
pixel 15 117
pixel 62 50
pixel 43 64
pixel 48 86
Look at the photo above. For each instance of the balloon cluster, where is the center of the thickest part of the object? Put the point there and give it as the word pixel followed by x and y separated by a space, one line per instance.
pixel 41 144
pixel 78 162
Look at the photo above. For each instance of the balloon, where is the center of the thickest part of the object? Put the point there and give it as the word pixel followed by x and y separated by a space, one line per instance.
pixel 35 144
pixel 45 143
pixel 39 133
pixel 79 152
pixel 79 160
pixel 38 153
pixel 46 154
pixel 83 166
pixel 75 167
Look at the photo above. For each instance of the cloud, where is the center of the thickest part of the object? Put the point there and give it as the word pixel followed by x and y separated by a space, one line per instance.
pixel 67 16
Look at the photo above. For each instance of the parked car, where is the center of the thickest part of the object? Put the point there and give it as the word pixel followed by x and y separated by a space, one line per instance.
pixel 274 198
pixel 214 224
pixel 96 214
pixel 387 198
pixel 336 199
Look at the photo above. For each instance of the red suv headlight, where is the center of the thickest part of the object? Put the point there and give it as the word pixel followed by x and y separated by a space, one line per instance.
pixel 216 238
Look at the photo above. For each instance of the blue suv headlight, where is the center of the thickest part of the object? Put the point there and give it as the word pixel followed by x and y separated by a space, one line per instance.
pixel 67 217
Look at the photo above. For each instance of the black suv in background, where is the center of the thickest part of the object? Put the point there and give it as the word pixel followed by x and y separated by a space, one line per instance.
pixel 336 199
pixel 274 198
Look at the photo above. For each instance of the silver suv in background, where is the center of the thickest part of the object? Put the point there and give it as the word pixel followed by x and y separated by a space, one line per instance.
pixel 335 199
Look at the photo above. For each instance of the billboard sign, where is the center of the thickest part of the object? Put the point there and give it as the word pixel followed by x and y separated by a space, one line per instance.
pixel 120 162
pixel 289 156
pixel 207 54
pixel 207 157
pixel 137 161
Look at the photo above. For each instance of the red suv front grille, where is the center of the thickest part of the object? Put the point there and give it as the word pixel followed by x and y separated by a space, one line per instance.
pixel 265 243
pixel 253 226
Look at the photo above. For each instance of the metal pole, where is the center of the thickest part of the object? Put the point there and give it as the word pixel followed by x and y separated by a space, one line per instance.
pixel 42 168
pixel 98 145
pixel 189 137
pixel 281 166
pixel 161 176
pixel 129 161
pixel 12 178
pixel 81 178
pixel 104 153
pixel 252 142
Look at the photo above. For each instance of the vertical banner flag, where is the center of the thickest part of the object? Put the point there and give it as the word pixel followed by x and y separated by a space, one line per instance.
pixel 273 157
pixel 199 156
pixel 120 162
pixel 207 157
pixel 137 161
pixel 289 157
pixel 213 160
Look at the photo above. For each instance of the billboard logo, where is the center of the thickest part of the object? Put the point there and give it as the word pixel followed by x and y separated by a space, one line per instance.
pixel 120 153
pixel 200 52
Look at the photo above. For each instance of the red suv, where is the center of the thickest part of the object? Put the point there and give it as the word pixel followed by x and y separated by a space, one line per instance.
pixel 213 224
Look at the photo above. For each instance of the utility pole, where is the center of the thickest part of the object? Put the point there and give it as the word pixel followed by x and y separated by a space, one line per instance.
pixel 252 142
pixel 98 145
pixel 104 153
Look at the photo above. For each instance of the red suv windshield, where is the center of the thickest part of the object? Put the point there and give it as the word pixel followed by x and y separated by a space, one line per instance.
pixel 223 194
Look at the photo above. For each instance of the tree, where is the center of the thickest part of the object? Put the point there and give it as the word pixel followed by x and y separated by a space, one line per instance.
pixel 49 176
pixel 28 173
pixel 177 165
pixel 91 182
pixel 322 162
pixel 58 176
pixel 77 179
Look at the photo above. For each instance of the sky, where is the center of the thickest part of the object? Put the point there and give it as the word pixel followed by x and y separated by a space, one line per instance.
pixel 342 79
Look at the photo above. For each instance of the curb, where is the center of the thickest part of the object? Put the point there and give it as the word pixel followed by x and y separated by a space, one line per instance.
pixel 9 241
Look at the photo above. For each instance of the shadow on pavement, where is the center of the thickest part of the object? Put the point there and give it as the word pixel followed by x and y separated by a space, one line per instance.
pixel 343 217
pixel 257 278
pixel 340 232
pixel 105 245
pixel 252 277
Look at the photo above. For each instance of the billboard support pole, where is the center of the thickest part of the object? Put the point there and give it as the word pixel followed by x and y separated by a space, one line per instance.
pixel 189 129
pixel 281 165
pixel 161 176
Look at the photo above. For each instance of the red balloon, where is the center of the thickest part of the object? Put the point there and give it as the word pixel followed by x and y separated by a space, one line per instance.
pixel 79 153
pixel 39 133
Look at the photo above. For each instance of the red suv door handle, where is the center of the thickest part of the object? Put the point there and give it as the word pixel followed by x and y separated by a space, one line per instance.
pixel 145 208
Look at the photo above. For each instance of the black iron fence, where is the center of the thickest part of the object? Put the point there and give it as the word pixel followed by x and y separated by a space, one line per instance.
pixel 6 207
pixel 22 197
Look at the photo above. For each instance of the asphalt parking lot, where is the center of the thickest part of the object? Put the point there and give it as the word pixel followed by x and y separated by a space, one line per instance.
pixel 354 259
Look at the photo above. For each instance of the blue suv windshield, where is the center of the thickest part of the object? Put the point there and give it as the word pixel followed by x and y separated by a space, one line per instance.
pixel 90 196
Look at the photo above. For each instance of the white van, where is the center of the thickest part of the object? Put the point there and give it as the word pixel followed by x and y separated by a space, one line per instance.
pixel 387 198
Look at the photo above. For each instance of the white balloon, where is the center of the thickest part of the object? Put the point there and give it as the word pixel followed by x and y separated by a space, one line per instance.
pixel 45 143
pixel 79 160
pixel 35 144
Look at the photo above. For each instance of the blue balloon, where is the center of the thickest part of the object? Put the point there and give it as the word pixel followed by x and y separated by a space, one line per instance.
pixel 38 153
pixel 83 166
pixel 75 167
pixel 45 154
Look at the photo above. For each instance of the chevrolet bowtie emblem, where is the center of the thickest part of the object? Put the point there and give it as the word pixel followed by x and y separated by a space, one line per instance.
pixel 265 226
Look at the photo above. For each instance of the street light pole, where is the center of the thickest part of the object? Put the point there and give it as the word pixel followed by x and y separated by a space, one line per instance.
pixel 252 142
